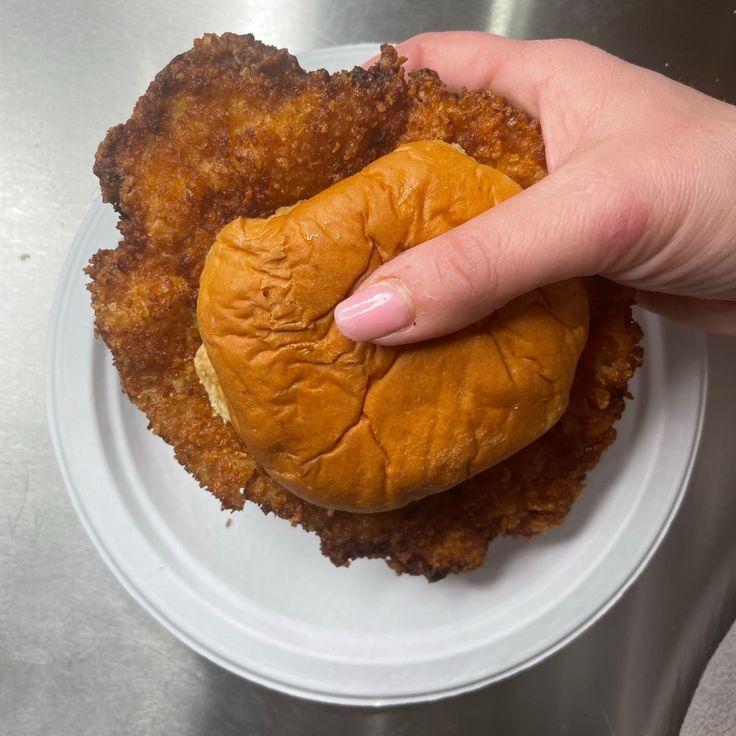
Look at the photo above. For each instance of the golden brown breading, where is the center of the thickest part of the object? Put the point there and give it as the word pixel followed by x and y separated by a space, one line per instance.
pixel 234 127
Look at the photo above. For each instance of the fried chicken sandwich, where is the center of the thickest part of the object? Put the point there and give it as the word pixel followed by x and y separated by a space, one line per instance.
pixel 253 197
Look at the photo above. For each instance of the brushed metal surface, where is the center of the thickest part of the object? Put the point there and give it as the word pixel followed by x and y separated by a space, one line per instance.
pixel 77 655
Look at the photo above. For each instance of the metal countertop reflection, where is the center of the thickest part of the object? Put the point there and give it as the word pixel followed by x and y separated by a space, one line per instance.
pixel 77 655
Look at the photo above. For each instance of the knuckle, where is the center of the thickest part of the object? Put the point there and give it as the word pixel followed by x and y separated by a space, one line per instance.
pixel 569 51
pixel 466 267
pixel 421 40
pixel 572 47
pixel 419 46
pixel 567 62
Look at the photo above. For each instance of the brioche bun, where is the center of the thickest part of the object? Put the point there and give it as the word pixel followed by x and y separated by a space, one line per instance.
pixel 360 427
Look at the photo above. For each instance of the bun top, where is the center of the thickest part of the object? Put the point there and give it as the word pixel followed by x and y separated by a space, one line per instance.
pixel 361 427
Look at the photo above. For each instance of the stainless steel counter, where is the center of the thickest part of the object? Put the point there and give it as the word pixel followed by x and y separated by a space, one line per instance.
pixel 77 655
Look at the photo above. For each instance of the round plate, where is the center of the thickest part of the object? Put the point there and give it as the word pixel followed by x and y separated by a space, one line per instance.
pixel 257 597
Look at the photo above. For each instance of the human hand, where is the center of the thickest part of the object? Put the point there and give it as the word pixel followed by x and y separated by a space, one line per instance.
pixel 641 189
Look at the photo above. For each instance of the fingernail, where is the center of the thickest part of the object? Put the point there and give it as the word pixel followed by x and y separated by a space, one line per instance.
pixel 375 311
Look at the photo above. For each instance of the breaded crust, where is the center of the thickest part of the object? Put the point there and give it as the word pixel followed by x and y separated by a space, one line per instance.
pixel 233 127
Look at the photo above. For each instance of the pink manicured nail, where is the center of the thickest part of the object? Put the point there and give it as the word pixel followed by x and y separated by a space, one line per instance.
pixel 375 311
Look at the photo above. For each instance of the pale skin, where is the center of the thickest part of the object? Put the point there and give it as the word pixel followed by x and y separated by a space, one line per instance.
pixel 641 189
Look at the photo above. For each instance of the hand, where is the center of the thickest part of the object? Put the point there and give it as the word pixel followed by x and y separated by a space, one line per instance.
pixel 641 189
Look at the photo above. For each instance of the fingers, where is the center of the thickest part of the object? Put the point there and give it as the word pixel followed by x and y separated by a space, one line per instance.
pixel 518 70
pixel 475 60
pixel 514 69
pixel 557 229
pixel 711 315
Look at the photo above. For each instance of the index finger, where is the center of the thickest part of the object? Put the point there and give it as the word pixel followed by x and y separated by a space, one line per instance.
pixel 475 60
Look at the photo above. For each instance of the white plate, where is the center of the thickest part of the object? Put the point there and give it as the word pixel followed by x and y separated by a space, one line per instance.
pixel 258 598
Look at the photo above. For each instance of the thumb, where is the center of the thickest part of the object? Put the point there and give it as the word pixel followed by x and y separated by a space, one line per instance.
pixel 566 225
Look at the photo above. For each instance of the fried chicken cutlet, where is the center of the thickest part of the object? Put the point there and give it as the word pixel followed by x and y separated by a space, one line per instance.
pixel 236 128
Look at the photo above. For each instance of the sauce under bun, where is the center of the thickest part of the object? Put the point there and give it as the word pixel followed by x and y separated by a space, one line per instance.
pixel 361 427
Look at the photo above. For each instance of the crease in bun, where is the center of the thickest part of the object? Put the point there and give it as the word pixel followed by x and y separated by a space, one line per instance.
pixel 360 427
